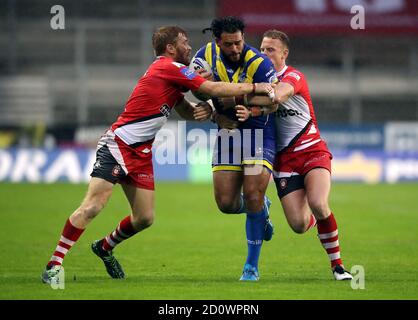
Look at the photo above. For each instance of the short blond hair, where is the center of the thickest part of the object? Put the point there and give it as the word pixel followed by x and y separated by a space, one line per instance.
pixel 279 35
pixel 165 35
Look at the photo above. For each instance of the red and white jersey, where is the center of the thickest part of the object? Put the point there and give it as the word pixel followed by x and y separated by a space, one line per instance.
pixel 295 119
pixel 156 94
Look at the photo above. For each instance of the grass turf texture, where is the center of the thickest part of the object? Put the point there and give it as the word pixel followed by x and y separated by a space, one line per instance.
pixel 194 252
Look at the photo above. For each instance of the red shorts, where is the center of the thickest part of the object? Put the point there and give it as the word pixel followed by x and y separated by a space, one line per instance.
pixel 290 168
pixel 117 162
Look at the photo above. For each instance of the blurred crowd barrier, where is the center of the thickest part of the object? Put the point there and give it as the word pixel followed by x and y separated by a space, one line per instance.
pixel 183 152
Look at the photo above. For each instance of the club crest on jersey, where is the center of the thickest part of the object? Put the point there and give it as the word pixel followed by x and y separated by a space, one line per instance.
pixel 165 110
pixel 116 170
pixel 294 75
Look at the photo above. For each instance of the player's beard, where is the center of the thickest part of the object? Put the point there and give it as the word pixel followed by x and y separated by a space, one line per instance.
pixel 235 57
pixel 183 56
pixel 236 61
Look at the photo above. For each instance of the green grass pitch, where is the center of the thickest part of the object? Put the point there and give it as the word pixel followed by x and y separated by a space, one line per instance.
pixel 194 252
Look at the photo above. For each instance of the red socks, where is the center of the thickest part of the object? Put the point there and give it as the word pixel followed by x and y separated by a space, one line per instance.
pixel 328 235
pixel 69 236
pixel 124 231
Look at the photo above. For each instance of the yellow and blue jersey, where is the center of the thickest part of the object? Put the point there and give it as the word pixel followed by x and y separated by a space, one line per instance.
pixel 253 68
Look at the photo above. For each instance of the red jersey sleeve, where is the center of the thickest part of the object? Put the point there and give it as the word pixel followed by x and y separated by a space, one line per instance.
pixel 181 75
pixel 296 79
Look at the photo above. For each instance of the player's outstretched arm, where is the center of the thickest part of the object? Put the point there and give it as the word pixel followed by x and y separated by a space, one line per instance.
pixel 225 89
pixel 243 113
pixel 255 106
pixel 250 105
pixel 282 92
pixel 192 111
pixel 249 100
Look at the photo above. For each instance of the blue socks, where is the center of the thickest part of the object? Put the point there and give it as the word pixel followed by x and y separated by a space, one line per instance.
pixel 254 227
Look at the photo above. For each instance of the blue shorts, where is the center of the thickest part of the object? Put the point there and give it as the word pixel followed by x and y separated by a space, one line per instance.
pixel 238 147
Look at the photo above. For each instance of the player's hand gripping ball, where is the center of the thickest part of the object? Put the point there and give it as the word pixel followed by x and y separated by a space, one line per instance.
pixel 203 68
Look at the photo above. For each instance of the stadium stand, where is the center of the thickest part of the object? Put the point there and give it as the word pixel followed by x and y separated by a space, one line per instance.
pixel 91 66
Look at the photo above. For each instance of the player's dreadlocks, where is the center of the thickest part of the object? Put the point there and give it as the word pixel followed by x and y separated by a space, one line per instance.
pixel 227 24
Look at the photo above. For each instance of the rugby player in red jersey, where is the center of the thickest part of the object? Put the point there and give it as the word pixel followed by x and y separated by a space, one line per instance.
pixel 124 152
pixel 302 165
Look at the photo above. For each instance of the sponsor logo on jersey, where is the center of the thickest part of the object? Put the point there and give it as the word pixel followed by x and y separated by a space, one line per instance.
pixel 165 110
pixel 189 74
pixel 283 113
pixel 268 73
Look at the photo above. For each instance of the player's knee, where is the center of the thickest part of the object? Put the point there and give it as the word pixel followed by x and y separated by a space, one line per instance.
pixel 226 208
pixel 225 205
pixel 319 207
pixel 143 221
pixel 254 202
pixel 298 227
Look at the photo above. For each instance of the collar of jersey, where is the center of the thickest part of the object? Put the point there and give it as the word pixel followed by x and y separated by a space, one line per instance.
pixel 279 73
pixel 222 65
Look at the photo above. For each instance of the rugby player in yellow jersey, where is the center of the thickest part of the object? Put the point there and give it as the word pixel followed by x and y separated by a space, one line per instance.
pixel 243 157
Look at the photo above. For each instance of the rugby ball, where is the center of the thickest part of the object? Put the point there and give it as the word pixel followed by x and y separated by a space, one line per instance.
pixel 199 64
